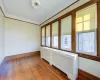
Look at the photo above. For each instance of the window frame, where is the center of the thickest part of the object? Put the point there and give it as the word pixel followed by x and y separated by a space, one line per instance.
pixel 49 36
pixel 44 36
pixel 66 49
pixel 87 53
pixel 52 35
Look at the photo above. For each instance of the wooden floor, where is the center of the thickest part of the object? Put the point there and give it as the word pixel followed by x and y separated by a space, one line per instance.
pixel 29 68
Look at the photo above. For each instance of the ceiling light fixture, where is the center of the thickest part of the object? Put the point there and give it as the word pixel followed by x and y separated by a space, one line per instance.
pixel 36 3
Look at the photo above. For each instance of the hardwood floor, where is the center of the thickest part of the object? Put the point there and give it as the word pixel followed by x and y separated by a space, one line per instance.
pixel 29 68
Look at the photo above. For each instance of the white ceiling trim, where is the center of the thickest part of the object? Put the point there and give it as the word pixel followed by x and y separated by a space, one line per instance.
pixel 13 16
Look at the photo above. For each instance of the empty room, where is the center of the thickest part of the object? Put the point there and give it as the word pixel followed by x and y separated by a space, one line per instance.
pixel 49 39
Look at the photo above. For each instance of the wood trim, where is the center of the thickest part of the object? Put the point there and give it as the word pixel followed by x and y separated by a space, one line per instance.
pixel 45 35
pixel 98 28
pixel 41 36
pixel 73 32
pixel 82 75
pixel 50 35
pixel 60 11
pixel 96 58
pixel 23 55
pixel 59 34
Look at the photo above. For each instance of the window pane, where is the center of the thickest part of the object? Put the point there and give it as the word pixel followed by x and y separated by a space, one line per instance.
pixel 55 41
pixel 86 17
pixel 66 26
pixel 79 20
pixel 43 36
pixel 86 43
pixel 87 14
pixel 48 35
pixel 79 27
pixel 43 41
pixel 66 42
pixel 48 41
pixel 86 30
pixel 55 29
pixel 55 35
pixel 87 25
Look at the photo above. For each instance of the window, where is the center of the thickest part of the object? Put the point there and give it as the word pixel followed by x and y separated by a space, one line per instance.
pixel 55 35
pixel 66 33
pixel 48 35
pixel 43 36
pixel 86 25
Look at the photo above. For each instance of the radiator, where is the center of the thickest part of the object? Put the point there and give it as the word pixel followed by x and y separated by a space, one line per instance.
pixel 67 62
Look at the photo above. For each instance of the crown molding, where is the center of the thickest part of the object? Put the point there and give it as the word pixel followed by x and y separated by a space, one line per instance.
pixel 11 16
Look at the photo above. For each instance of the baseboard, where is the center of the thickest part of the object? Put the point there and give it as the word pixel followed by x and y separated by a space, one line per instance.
pixel 82 75
pixel 23 55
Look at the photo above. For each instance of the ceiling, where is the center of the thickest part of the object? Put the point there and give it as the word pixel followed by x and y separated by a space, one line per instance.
pixel 23 10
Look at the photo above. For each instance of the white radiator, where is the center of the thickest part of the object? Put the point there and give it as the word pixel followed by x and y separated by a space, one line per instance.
pixel 65 61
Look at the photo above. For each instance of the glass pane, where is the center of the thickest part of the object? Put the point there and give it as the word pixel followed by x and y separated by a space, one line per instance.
pixel 55 41
pixel 43 31
pixel 79 42
pixel 43 36
pixel 48 35
pixel 85 30
pixel 55 29
pixel 86 17
pixel 79 19
pixel 87 25
pixel 79 27
pixel 66 42
pixel 48 41
pixel 66 25
pixel 48 31
pixel 43 41
pixel 86 43
pixel 55 34
pixel 87 14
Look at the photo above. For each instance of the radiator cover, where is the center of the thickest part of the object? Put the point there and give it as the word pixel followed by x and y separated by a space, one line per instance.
pixel 65 61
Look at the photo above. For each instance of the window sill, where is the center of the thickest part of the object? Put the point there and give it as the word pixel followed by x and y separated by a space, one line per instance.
pixel 96 58
pixel 66 50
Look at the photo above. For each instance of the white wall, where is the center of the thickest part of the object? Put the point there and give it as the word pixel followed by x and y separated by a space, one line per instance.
pixel 21 37
pixel 1 36
pixel 90 66
pixel 87 65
